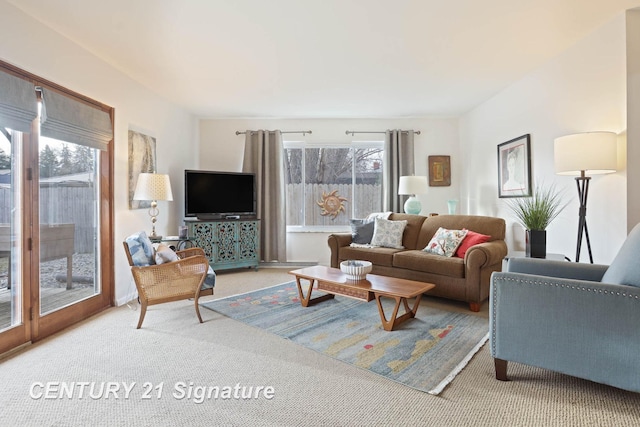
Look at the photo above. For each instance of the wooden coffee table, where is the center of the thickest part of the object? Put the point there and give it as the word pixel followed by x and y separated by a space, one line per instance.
pixel 334 282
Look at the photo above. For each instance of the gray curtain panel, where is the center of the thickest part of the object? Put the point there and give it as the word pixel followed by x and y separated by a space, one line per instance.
pixel 398 161
pixel 263 155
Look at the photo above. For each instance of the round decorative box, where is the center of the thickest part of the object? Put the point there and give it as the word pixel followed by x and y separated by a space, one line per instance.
pixel 356 269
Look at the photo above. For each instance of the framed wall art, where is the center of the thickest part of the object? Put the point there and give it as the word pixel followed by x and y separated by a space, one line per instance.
pixel 514 167
pixel 439 171
pixel 142 158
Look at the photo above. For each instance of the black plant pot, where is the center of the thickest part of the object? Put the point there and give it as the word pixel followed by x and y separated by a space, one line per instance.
pixel 537 243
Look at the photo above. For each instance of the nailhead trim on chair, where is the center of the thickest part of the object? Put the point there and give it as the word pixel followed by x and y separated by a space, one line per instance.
pixel 549 283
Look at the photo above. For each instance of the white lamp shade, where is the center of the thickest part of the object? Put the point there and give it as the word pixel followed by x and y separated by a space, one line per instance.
pixel 592 152
pixel 153 186
pixel 413 185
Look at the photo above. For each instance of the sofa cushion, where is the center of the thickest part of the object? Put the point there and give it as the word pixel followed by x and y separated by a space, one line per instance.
pixel 377 256
pixel 417 260
pixel 445 242
pixel 388 234
pixel 623 269
pixel 491 226
pixel 471 239
pixel 362 231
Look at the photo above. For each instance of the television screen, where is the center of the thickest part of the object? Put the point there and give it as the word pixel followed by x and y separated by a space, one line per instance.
pixel 214 195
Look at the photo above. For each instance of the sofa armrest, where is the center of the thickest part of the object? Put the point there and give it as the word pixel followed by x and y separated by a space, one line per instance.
pixel 581 328
pixel 336 241
pixel 563 269
pixel 485 254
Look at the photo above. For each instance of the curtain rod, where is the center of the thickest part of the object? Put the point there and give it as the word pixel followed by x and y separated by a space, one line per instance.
pixel 353 132
pixel 304 132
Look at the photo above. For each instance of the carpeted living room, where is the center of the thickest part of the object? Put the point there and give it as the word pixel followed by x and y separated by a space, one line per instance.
pixel 323 210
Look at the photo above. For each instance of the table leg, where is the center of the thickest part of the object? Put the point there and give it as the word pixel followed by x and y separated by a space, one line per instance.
pixel 388 324
pixel 306 301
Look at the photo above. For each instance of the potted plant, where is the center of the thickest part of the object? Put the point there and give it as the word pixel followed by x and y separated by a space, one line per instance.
pixel 535 213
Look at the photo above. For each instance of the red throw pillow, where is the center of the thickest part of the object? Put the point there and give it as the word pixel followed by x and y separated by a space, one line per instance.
pixel 471 239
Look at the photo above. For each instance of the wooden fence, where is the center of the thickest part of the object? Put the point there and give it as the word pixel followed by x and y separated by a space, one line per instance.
pixel 366 199
pixel 61 204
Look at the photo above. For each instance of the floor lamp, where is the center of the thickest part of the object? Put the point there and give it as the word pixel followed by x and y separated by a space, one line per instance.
pixel 585 154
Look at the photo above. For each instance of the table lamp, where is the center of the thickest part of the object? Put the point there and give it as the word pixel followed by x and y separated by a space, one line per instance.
pixel 153 187
pixel 582 154
pixel 413 185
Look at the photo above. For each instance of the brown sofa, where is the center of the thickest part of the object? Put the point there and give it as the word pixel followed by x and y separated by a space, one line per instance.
pixel 455 278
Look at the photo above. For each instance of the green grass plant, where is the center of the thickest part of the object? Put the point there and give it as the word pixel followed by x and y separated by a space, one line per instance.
pixel 537 212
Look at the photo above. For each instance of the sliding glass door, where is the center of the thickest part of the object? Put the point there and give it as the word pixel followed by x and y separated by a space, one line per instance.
pixel 55 215
pixel 12 294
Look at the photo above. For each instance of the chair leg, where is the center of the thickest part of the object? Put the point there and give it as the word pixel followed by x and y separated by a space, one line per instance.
pixel 143 311
pixel 474 306
pixel 501 369
pixel 197 308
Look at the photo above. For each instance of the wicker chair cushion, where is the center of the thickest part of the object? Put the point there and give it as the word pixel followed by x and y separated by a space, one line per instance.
pixel 141 249
pixel 210 280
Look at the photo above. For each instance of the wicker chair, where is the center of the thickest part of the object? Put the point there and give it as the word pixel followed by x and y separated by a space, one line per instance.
pixel 171 281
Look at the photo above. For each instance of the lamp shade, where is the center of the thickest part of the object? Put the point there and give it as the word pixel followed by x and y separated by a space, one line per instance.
pixel 592 152
pixel 413 185
pixel 153 186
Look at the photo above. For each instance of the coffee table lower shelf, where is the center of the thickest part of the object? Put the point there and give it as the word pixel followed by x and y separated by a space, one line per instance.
pixel 334 282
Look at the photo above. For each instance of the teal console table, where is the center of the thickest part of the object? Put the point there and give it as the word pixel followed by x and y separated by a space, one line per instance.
pixel 227 243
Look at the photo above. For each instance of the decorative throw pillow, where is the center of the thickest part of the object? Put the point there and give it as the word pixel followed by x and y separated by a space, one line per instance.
pixel 165 254
pixel 445 242
pixel 141 249
pixel 362 231
pixel 472 238
pixel 388 234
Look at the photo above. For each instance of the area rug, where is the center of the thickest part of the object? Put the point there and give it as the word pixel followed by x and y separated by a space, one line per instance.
pixel 424 353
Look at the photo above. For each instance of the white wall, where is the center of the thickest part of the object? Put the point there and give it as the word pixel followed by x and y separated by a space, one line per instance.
pixel 221 149
pixel 583 89
pixel 33 47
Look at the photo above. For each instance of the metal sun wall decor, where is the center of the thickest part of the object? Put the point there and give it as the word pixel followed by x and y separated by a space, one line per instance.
pixel 331 204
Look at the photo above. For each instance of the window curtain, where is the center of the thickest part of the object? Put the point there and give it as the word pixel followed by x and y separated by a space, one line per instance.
pixel 263 155
pixel 18 106
pixel 398 161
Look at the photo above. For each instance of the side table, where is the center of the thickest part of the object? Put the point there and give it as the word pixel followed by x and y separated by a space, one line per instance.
pixel 550 256
pixel 181 242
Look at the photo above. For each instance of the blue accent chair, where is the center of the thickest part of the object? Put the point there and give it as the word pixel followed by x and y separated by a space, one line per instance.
pixel 578 319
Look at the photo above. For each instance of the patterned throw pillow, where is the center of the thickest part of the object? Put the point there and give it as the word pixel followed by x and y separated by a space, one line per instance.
pixel 445 242
pixel 388 234
pixel 165 254
pixel 141 249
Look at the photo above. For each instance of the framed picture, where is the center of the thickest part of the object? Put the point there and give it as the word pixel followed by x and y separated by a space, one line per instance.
pixel 514 167
pixel 439 171
pixel 142 158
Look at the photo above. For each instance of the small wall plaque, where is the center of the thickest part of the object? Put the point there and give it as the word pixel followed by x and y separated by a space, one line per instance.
pixel 439 171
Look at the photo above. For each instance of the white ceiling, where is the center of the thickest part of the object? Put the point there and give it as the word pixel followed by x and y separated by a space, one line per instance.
pixel 325 58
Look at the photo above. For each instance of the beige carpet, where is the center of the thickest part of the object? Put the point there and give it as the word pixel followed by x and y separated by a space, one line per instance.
pixel 310 389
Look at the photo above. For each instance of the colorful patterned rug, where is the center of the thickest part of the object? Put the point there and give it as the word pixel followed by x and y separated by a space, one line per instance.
pixel 425 353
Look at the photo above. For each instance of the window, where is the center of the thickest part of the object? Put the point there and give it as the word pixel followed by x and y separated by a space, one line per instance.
pixel 329 184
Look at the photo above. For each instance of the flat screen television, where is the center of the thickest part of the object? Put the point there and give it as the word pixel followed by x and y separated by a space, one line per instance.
pixel 219 195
